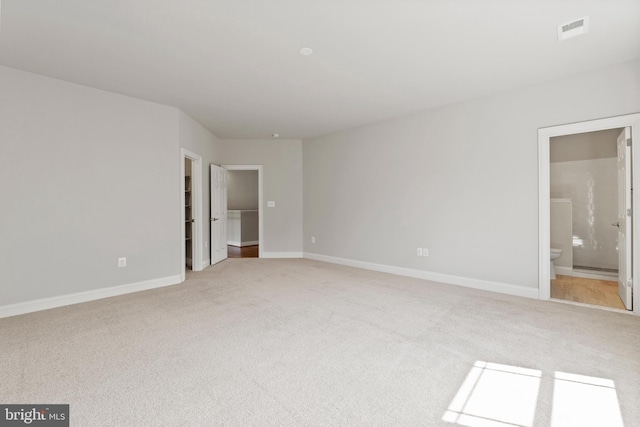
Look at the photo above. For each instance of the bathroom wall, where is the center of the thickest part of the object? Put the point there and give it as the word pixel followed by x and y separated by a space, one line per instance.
pixel 590 180
pixel 584 146
pixel 562 234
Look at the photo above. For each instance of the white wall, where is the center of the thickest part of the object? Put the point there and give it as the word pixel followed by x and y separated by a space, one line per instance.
pixel 561 232
pixel 86 176
pixel 242 190
pixel 592 185
pixel 584 146
pixel 459 180
pixel 282 181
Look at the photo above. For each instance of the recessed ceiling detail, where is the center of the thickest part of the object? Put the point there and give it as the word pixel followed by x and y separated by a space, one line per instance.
pixel 573 28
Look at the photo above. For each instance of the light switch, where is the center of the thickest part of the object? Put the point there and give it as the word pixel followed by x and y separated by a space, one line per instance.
pixel 271 204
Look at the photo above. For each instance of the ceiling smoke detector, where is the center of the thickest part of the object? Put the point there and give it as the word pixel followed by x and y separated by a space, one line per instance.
pixel 573 28
pixel 305 51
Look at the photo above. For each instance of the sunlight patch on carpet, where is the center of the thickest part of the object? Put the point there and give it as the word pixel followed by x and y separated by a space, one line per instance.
pixel 580 400
pixel 495 395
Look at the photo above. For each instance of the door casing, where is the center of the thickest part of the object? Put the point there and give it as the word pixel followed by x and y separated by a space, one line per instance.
pixel 625 197
pixel 196 202
pixel 544 200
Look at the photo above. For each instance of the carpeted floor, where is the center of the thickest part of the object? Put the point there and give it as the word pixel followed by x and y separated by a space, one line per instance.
pixel 300 342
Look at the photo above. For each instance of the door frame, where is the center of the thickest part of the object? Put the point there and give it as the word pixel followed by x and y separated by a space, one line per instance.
pixel 260 199
pixel 196 211
pixel 544 194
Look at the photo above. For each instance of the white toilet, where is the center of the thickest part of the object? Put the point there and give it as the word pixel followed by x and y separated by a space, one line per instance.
pixel 555 254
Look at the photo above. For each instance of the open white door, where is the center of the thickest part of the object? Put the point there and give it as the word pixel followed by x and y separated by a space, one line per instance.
pixel 218 214
pixel 625 276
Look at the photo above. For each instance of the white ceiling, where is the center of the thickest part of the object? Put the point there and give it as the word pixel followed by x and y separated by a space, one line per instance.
pixel 234 65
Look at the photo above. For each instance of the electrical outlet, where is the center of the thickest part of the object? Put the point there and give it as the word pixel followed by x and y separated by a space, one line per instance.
pixel 419 252
pixel 271 204
pixel 313 240
pixel 122 262
pixel 425 252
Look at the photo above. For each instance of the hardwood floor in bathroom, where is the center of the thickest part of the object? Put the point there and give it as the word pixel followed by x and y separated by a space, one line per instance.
pixel 587 291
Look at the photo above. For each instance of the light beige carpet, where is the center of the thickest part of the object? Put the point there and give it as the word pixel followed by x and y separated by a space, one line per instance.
pixel 299 342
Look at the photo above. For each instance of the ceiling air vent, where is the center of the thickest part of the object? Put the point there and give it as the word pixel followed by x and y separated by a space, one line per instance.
pixel 573 28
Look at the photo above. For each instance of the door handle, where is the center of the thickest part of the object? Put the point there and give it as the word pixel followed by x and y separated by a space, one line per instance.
pixel 616 224
pixel 214 219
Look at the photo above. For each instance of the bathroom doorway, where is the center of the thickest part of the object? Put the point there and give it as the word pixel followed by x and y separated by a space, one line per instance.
pixel 579 213
pixel 584 212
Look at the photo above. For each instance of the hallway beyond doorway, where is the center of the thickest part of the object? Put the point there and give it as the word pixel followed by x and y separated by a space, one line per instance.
pixel 243 252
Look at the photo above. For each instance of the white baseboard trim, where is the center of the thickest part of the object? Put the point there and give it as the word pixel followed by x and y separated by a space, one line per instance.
pixel 503 288
pixel 242 244
pixel 585 274
pixel 62 300
pixel 564 271
pixel 282 255
pixel 589 275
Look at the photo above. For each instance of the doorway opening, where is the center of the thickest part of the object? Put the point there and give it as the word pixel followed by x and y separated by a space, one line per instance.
pixel 584 218
pixel 245 229
pixel 581 187
pixel 191 211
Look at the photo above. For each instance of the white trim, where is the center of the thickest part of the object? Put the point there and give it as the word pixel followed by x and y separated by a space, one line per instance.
pixel 196 209
pixel 569 271
pixel 80 297
pixel 260 198
pixel 282 254
pixel 544 204
pixel 503 288
pixel 600 307
pixel 242 244
pixel 544 218
pixel 563 271
pixel 588 275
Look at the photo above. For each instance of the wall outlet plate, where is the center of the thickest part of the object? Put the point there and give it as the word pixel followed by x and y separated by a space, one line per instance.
pixel 419 252
pixel 271 204
pixel 122 262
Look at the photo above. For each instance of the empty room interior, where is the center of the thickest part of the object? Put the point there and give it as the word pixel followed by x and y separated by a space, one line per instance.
pixel 319 213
